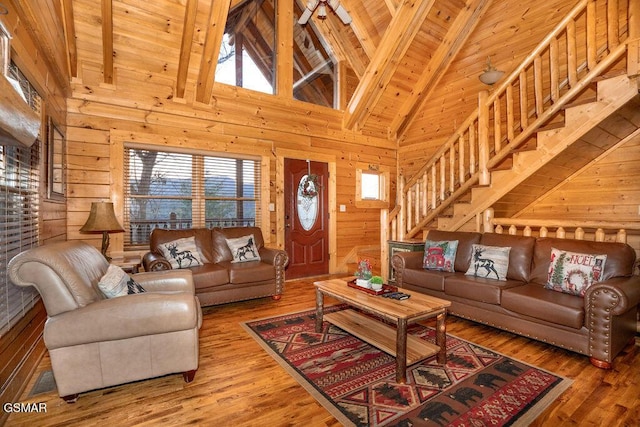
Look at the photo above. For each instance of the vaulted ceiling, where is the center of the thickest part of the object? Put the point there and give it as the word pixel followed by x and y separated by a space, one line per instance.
pixel 411 65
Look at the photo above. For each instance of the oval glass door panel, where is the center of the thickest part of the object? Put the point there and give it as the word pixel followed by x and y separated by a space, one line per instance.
pixel 307 203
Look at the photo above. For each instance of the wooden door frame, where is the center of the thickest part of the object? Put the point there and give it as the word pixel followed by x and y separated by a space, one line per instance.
pixel 330 160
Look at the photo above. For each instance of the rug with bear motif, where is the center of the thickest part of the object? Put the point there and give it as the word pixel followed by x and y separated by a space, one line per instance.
pixel 356 382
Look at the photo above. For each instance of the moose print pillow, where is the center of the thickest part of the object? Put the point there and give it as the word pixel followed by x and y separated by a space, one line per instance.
pixel 243 249
pixel 182 253
pixel 490 262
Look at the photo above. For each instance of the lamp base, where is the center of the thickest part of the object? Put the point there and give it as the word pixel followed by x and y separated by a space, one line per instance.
pixel 105 245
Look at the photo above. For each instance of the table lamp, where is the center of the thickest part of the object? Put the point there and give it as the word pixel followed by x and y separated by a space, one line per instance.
pixel 102 219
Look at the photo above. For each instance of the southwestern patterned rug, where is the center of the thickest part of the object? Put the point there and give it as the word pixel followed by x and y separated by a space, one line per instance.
pixel 356 382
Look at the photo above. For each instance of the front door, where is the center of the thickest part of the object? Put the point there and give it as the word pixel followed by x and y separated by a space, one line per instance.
pixel 306 217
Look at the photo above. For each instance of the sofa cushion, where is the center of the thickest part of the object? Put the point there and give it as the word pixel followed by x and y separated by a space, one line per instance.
pixel 573 272
pixel 181 253
pixel 202 237
pixel 489 262
pixel 535 301
pixel 477 288
pixel 620 256
pixel 429 279
pixel 117 283
pixel 465 240
pixel 220 236
pixel 520 255
pixel 249 272
pixel 243 249
pixel 208 275
pixel 440 255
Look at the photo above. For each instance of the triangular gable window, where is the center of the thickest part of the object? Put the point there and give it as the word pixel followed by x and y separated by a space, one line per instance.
pixel 251 30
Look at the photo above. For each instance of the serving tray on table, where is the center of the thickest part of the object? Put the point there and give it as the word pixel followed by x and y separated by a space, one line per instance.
pixel 385 288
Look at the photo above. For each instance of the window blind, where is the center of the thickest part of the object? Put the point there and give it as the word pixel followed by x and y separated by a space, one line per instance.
pixel 19 203
pixel 176 190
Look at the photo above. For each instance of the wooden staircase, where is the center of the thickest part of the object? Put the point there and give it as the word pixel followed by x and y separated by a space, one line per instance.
pixel 532 117
pixel 613 94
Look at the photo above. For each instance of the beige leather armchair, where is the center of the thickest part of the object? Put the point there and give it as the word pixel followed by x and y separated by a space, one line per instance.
pixel 96 342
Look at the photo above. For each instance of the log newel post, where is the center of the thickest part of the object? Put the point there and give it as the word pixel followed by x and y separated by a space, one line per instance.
pixel 633 42
pixel 487 220
pixel 483 138
pixel 402 224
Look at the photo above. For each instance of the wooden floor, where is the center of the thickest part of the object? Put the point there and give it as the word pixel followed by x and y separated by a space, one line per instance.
pixel 238 384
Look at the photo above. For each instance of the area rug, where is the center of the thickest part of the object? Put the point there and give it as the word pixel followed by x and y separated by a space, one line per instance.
pixel 355 381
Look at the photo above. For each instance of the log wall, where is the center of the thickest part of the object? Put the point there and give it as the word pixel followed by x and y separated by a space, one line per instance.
pixel 139 108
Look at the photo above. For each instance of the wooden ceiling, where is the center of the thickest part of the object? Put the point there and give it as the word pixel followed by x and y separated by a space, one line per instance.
pixel 415 62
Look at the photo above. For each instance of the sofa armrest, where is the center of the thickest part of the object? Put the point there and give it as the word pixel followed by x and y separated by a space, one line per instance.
pixel 615 296
pixel 154 261
pixel 610 316
pixel 276 257
pixel 166 281
pixel 403 260
pixel 123 317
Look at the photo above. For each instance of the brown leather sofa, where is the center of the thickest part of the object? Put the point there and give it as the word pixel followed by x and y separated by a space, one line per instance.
pixel 219 280
pixel 95 342
pixel 598 325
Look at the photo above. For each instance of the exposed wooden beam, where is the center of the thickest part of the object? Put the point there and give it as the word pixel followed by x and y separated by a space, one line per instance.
pixel 70 37
pixel 284 40
pixel 359 25
pixel 215 30
pixel 188 29
pixel 403 28
pixel 392 5
pixel 454 40
pixel 107 41
pixel 335 34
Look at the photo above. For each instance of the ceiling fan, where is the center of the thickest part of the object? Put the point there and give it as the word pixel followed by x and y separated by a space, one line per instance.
pixel 322 11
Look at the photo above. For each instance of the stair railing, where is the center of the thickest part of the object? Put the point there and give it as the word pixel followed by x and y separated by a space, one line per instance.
pixel 591 38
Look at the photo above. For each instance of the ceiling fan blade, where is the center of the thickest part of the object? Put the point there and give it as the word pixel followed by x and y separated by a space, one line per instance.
pixel 305 16
pixel 343 14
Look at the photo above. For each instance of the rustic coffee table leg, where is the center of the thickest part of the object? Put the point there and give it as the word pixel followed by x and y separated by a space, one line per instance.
pixel 319 310
pixel 401 352
pixel 441 337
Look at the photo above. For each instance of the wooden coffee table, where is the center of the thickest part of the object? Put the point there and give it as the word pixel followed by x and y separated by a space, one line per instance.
pixel 406 349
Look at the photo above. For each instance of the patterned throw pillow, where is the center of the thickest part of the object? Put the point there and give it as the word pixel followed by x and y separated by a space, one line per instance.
pixel 243 249
pixel 489 262
pixel 182 253
pixel 440 255
pixel 573 272
pixel 116 283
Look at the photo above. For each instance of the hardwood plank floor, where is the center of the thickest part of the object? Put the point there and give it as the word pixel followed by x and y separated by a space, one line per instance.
pixel 238 384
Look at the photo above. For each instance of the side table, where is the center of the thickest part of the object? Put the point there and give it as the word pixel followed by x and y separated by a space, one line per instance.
pixel 131 264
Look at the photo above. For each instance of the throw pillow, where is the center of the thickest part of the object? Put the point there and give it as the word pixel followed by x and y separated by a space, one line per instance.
pixel 182 253
pixel 243 249
pixel 490 262
pixel 440 255
pixel 572 272
pixel 116 283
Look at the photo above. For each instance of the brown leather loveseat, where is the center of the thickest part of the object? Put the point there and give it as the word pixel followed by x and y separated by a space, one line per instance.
pixel 599 324
pixel 220 280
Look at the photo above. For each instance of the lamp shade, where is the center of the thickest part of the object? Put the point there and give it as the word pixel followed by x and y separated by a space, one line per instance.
pixel 102 218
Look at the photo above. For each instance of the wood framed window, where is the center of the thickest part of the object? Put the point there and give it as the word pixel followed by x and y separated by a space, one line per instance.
pixel 177 190
pixel 372 186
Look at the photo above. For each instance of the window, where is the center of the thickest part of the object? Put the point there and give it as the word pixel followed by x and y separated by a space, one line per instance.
pixel 372 186
pixel 247 52
pixel 19 201
pixel 183 190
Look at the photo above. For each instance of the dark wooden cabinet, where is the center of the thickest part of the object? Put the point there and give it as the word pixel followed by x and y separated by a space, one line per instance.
pixel 395 246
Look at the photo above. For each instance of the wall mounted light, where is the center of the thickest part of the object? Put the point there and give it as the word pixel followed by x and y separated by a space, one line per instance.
pixel 490 75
